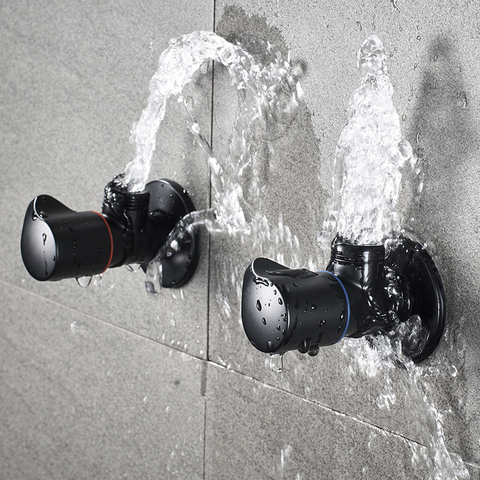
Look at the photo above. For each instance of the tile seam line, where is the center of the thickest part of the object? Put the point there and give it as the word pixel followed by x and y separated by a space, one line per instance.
pixel 98 319
pixel 251 377
pixel 322 406
pixel 209 259
pixel 313 402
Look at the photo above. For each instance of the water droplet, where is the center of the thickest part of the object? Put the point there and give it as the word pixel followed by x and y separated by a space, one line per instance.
pixel 264 321
pixel 313 351
pixel 276 362
pixel 84 282
pixel 462 100
pixel 304 346
pixel 259 306
pixel 314 306
pixel 150 288
pixel 280 301
pixel 261 281
pixel 80 328
pixel 132 268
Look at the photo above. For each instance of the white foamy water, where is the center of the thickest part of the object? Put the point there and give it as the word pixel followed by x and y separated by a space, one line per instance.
pixel 268 95
pixel 268 100
pixel 370 156
pixel 382 360
pixel 370 160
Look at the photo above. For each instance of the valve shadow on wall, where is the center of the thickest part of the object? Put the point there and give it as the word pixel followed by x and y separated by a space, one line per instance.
pixel 446 141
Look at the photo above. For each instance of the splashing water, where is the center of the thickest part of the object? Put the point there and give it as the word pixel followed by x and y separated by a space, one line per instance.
pixel 276 362
pixel 153 281
pixel 268 100
pixel 268 96
pixel 380 358
pixel 370 156
pixel 370 160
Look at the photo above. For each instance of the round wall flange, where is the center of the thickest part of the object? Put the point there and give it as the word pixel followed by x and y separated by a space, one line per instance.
pixel 169 203
pixel 426 295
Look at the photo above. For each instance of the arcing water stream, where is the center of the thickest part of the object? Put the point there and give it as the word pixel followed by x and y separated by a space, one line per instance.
pixel 370 159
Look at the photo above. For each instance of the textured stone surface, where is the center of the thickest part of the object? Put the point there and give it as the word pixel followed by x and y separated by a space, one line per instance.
pixel 83 399
pixel 260 432
pixel 429 61
pixel 75 80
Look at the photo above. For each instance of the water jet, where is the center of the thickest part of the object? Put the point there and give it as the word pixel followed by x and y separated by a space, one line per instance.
pixel 377 280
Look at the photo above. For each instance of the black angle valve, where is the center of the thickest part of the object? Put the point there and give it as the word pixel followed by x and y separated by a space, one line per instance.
pixel 362 292
pixel 60 243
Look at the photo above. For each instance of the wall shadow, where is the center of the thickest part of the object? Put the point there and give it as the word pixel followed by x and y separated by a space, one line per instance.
pixel 285 173
pixel 445 140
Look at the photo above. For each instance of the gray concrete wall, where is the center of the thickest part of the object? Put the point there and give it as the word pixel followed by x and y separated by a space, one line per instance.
pixel 108 382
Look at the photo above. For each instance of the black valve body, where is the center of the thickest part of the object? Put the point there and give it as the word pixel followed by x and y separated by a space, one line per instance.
pixel 361 292
pixel 59 243
pixel 285 309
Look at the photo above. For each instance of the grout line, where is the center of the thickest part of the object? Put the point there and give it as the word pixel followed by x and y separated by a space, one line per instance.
pixel 214 15
pixel 321 405
pixel 205 418
pixel 209 257
pixel 228 368
pixel 209 361
pixel 102 320
pixel 209 251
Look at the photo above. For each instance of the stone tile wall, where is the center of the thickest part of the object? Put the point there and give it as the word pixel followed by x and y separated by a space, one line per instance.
pixel 108 382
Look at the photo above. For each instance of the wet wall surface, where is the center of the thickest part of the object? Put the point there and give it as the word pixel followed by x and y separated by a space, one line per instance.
pixel 109 382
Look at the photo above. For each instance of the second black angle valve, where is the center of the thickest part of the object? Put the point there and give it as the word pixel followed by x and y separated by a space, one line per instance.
pixel 363 291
